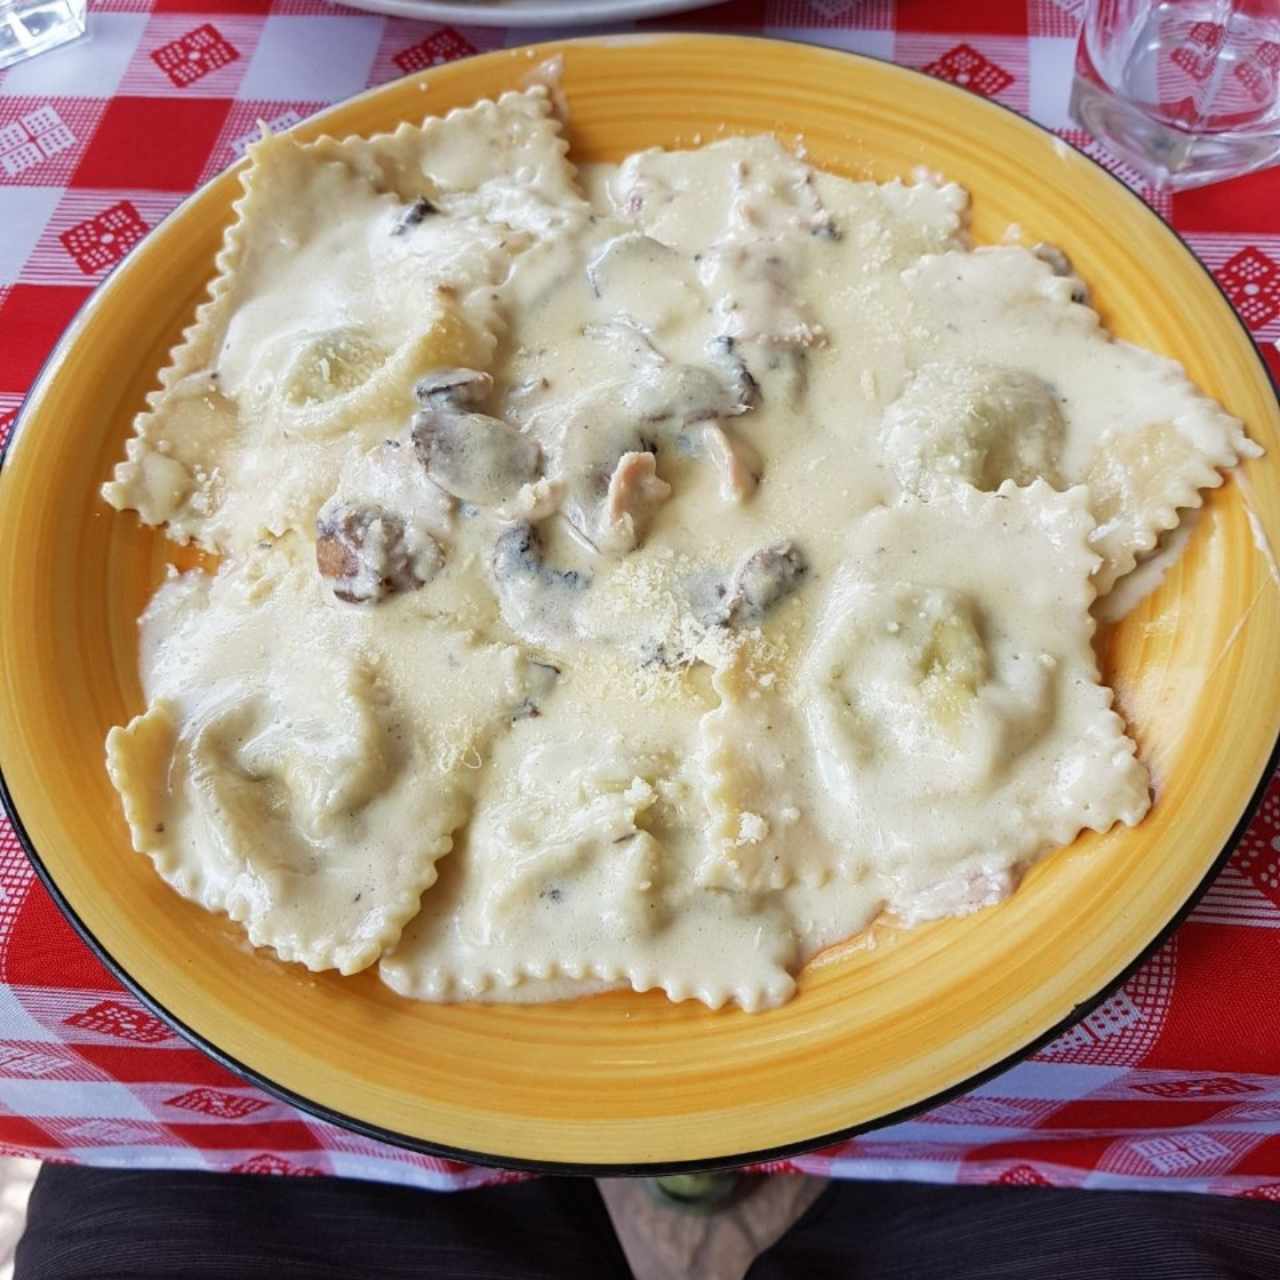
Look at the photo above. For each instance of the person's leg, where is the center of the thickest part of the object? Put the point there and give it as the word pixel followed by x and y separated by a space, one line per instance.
pixel 918 1231
pixel 104 1224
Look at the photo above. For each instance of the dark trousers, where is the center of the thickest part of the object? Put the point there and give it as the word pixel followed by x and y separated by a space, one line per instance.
pixel 108 1224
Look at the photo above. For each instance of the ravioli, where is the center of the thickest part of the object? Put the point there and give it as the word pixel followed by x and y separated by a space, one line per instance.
pixel 505 160
pixel 975 423
pixel 285 772
pixel 1014 303
pixel 956 715
pixel 642 576
pixel 325 311
pixel 576 867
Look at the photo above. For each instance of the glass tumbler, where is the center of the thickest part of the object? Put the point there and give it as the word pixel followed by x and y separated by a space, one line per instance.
pixel 29 27
pixel 1186 91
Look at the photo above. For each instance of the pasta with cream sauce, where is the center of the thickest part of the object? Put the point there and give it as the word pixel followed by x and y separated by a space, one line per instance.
pixel 639 576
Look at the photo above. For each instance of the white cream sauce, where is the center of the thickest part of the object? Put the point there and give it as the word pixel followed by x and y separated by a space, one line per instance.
pixel 678 586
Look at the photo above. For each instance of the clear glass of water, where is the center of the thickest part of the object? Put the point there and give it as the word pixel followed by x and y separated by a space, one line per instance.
pixel 29 27
pixel 1186 91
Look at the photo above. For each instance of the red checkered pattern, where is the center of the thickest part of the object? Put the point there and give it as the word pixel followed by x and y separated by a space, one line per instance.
pixel 995 67
pixel 1022 1175
pixel 1056 19
pixel 89 231
pixel 101 241
pixel 1199 52
pixel 265 1162
pixel 965 66
pixel 126 1022
pixel 1258 75
pixel 43 139
pixel 864 15
pixel 1248 268
pixel 37 136
pixel 1252 281
pixel 1124 1027
pixel 219 1103
pixel 195 55
pixel 1173 1081
pixel 179 53
pixel 413 45
pixel 1210 1087
pixel 439 46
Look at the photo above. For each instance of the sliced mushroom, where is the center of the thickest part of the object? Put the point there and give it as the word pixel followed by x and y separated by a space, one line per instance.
pixel 627 261
pixel 679 394
pixel 518 552
pixel 725 353
pixel 595 453
pixel 766 577
pixel 476 458
pixel 367 554
pixel 662 389
pixel 537 600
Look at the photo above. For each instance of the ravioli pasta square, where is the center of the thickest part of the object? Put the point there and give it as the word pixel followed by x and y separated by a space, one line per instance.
pixel 575 869
pixel 314 821
pixel 952 695
pixel 643 578
pixel 505 158
pixel 763 226
pixel 741 188
pixel 326 309
pixel 1033 382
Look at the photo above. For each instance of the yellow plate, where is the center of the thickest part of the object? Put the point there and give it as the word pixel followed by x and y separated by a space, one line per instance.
pixel 629 1080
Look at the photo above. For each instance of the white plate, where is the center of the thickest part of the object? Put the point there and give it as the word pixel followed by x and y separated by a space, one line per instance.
pixel 527 13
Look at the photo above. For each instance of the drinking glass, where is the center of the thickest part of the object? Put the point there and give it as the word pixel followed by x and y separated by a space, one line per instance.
pixel 28 27
pixel 1186 91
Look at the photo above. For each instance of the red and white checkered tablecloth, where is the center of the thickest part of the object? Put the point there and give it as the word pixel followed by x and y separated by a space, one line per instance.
pixel 1173 1083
